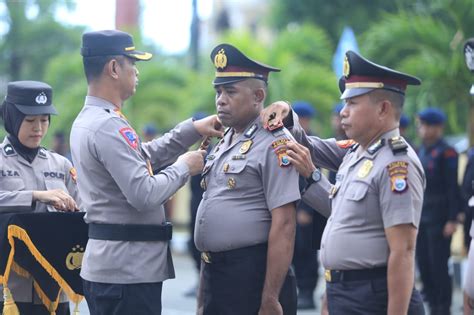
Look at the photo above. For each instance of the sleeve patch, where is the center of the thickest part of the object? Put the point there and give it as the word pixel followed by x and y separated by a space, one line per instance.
pixel 282 157
pixel 398 172
pixel 344 144
pixel 279 143
pixel 73 174
pixel 130 136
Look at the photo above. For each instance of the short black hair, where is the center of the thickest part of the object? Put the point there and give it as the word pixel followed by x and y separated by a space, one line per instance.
pixel 93 66
pixel 397 99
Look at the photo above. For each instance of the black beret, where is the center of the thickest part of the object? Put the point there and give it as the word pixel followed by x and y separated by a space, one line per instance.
pixel 233 66
pixel 111 42
pixel 31 97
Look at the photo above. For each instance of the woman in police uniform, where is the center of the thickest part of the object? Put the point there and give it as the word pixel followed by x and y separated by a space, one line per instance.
pixel 32 179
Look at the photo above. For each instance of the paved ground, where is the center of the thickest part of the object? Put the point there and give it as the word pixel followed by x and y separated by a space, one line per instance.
pixel 175 303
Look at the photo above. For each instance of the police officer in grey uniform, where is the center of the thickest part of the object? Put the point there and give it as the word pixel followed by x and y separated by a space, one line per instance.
pixel 127 256
pixel 375 205
pixel 245 224
pixel 32 178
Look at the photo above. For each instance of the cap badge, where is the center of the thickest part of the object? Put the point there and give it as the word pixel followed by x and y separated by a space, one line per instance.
pixel 220 60
pixel 41 98
pixel 346 68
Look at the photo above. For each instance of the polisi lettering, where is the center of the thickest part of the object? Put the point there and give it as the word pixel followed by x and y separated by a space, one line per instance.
pixel 54 175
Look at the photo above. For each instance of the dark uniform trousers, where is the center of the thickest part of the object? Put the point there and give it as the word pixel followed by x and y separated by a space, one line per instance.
pixel 365 297
pixel 233 283
pixel 432 252
pixel 123 299
pixel 40 309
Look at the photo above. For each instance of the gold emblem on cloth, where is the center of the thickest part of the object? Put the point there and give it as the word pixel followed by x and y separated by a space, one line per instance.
pixel 220 59
pixel 346 67
pixel 74 258
pixel 245 147
pixel 365 169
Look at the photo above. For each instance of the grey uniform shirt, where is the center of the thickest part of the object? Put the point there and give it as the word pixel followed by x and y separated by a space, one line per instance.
pixel 18 180
pixel 116 187
pixel 243 182
pixel 375 189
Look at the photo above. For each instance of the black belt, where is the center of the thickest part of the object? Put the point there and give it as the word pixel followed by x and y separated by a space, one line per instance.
pixel 355 275
pixel 131 232
pixel 228 255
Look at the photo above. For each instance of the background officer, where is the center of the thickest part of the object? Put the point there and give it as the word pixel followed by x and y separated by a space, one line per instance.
pixel 375 205
pixel 32 178
pixel 305 259
pixel 245 224
pixel 127 255
pixel 440 209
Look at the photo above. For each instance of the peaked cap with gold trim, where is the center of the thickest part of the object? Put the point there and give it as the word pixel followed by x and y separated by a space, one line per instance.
pixel 233 66
pixel 109 43
pixel 362 76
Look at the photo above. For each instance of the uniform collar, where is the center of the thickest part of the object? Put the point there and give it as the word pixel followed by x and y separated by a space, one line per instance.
pixel 9 150
pixel 99 102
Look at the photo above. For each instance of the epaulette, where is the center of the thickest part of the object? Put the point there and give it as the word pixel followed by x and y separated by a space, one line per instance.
pixel 353 147
pixel 278 132
pixel 376 146
pixel 227 130
pixel 42 152
pixel 398 145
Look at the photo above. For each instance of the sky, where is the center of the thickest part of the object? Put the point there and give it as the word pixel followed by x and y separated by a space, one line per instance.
pixel 164 22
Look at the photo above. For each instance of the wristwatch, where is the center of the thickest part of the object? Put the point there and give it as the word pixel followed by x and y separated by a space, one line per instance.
pixel 314 177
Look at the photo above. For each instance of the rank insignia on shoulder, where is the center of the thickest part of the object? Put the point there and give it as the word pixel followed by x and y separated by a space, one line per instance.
pixel 73 174
pixel 282 157
pixel 365 169
pixel 376 146
pixel 251 131
pixel 130 136
pixel 398 145
pixel 398 172
pixel 245 147
pixel 344 144
pixel 8 149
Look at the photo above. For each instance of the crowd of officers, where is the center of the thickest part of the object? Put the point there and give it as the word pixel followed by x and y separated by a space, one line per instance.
pixel 266 206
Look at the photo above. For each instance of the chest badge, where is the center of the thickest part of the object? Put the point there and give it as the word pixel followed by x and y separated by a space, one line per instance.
pixel 365 169
pixel 226 167
pixel 231 183
pixel 245 147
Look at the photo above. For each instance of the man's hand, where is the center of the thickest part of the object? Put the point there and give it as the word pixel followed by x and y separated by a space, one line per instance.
pixel 270 306
pixel 449 229
pixel 300 158
pixel 58 198
pixel 272 116
pixel 209 126
pixel 194 160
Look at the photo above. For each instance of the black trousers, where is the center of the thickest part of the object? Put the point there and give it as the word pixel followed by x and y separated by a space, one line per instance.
pixel 234 285
pixel 123 299
pixel 365 297
pixel 40 309
pixel 305 259
pixel 432 254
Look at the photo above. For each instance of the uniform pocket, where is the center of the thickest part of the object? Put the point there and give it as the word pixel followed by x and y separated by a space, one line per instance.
pixel 55 184
pixel 12 184
pixel 236 167
pixel 357 191
pixel 354 209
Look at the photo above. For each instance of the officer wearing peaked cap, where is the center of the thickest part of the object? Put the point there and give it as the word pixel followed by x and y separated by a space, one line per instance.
pixel 440 209
pixel 375 205
pixel 127 256
pixel 245 225
pixel 32 179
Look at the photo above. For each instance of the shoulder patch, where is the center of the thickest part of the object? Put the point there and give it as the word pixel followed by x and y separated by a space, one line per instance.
pixel 398 173
pixel 130 136
pixel 73 174
pixel 344 144
pixel 279 148
pixel 279 143
pixel 398 145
